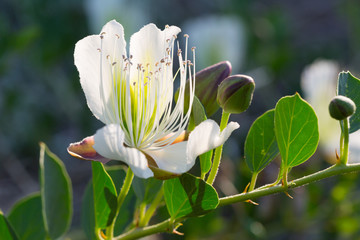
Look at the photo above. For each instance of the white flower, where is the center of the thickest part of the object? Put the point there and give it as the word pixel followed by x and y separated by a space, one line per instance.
pixel 133 95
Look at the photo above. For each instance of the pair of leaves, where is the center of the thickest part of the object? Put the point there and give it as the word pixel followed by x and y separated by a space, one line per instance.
pixel 46 214
pixel 291 129
pixel 349 86
pixel 189 196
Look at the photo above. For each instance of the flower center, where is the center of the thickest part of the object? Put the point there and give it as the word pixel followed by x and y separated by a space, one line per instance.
pixel 141 96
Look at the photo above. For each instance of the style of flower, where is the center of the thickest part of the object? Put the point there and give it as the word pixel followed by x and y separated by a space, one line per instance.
pixel 133 96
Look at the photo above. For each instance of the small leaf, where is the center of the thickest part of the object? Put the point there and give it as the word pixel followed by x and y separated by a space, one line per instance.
pixel 189 196
pixel 27 219
pixel 56 193
pixel 6 230
pixel 105 196
pixel 197 116
pixel 296 130
pixel 260 143
pixel 205 162
pixel 349 86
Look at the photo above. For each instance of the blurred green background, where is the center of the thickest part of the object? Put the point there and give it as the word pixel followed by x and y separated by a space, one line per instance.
pixel 271 40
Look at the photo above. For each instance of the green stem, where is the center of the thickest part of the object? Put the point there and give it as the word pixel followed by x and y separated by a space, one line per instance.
pixel 341 139
pixel 326 173
pixel 146 231
pixel 253 181
pixel 285 178
pixel 152 208
pixel 168 225
pixel 120 200
pixel 142 210
pixel 218 151
pixel 345 148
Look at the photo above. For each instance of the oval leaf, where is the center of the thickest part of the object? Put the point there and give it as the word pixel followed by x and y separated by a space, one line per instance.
pixel 56 193
pixel 260 143
pixel 189 196
pixel 6 230
pixel 349 86
pixel 105 196
pixel 27 219
pixel 296 130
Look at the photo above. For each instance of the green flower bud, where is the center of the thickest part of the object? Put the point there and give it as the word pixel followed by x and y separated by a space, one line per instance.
pixel 207 81
pixel 341 107
pixel 235 93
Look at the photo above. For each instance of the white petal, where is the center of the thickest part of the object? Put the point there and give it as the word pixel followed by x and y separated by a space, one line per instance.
pixel 149 44
pixel 109 142
pixel 171 158
pixel 87 57
pixel 180 157
pixel 207 136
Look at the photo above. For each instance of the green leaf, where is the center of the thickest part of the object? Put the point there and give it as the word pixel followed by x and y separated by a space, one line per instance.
pixel 117 175
pixel 56 193
pixel 296 130
pixel 205 162
pixel 198 115
pixel 260 143
pixel 88 213
pixel 349 86
pixel 105 196
pixel 27 219
pixel 6 230
pixel 146 189
pixel 189 196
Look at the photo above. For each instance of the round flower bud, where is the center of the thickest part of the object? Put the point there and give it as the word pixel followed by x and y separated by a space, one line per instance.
pixel 235 93
pixel 341 107
pixel 207 81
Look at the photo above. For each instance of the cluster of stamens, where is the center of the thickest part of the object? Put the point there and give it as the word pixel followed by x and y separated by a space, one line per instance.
pixel 141 100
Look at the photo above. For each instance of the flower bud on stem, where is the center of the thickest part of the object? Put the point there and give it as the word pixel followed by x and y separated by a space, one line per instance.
pixel 341 108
